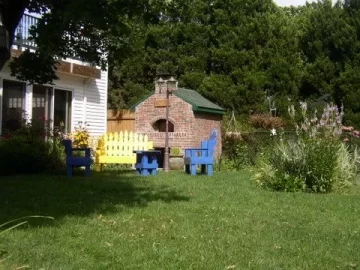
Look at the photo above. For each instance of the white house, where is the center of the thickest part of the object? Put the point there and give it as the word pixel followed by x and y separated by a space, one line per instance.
pixel 80 94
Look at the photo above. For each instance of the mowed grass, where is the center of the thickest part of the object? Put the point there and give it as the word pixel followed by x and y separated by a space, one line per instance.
pixel 116 220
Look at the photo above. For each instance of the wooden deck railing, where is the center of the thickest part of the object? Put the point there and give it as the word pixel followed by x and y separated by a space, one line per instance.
pixel 22 36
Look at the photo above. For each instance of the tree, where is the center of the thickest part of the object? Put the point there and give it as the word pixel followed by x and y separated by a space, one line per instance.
pixel 348 83
pixel 328 44
pixel 10 16
pixel 87 30
pixel 330 47
pixel 173 40
pixel 231 51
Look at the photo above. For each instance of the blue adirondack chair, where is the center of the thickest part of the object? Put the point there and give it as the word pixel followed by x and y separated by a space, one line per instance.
pixel 146 162
pixel 203 156
pixel 76 161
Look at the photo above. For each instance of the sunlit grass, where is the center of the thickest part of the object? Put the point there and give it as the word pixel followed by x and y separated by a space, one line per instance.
pixel 117 220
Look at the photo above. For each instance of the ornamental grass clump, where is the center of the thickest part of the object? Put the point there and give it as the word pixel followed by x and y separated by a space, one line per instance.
pixel 329 125
pixel 316 160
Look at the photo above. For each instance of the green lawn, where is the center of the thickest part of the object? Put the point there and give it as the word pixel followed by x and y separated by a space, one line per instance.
pixel 117 220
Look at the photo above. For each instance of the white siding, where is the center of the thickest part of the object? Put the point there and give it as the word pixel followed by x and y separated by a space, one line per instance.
pixel 96 92
pixel 89 99
pixel 74 84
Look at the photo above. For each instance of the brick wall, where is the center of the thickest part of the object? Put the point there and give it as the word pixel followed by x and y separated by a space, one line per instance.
pixel 189 128
pixel 203 125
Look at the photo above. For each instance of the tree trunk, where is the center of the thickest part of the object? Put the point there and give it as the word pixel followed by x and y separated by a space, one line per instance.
pixel 11 13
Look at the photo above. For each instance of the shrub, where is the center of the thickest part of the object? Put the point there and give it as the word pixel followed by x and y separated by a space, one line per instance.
pixel 33 129
pixel 255 140
pixel 235 155
pixel 266 121
pixel 27 151
pixel 57 156
pixel 245 151
pixel 226 164
pixel 18 154
pixel 313 165
pixel 315 161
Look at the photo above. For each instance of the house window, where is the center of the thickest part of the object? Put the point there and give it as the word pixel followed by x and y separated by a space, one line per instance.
pixel 48 106
pixel 41 104
pixel 160 126
pixel 13 105
pixel 42 109
pixel 62 110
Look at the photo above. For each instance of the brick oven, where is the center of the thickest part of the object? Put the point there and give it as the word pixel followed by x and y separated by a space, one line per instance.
pixel 191 118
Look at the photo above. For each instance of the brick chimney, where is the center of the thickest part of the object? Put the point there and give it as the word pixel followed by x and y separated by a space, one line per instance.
pixel 160 86
pixel 165 82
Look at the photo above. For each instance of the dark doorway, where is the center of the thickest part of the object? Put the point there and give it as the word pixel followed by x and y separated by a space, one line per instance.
pixel 161 156
pixel 13 106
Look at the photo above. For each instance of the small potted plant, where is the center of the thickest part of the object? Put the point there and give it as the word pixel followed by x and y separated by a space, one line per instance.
pixel 176 159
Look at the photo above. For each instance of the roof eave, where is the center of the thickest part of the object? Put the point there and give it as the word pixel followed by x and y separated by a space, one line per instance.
pixel 207 110
pixel 197 108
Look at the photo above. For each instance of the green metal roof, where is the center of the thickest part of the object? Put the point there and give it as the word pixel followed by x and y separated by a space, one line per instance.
pixel 198 102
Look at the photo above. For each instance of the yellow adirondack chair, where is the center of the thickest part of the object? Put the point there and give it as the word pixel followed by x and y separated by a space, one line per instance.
pixel 118 148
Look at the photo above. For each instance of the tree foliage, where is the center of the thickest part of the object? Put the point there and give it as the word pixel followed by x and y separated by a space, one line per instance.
pixel 238 53
pixel 241 53
pixel 86 30
pixel 232 51
pixel 10 16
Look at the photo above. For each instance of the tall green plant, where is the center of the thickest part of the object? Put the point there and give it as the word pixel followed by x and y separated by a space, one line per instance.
pixel 316 161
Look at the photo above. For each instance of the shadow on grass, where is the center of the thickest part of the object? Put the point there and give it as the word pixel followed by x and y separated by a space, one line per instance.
pixel 60 196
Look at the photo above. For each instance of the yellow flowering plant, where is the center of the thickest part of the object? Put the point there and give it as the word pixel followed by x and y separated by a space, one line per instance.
pixel 81 136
